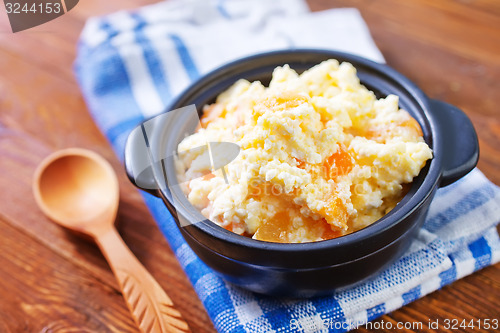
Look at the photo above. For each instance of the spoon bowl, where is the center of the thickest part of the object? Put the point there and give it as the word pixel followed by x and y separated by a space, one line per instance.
pixel 78 189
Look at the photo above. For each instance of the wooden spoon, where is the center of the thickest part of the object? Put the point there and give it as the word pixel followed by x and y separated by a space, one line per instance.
pixel 79 190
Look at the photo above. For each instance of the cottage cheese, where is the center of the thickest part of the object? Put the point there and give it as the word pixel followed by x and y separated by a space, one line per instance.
pixel 320 156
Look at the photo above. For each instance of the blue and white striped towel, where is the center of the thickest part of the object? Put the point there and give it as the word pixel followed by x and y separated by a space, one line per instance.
pixel 131 64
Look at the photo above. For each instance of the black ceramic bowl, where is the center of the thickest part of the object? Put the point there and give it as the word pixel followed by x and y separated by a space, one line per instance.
pixel 310 268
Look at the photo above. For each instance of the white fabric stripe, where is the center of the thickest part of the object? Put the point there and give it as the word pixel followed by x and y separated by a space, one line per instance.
pixel 205 12
pixel 185 255
pixel 141 83
pixel 248 312
pixel 432 284
pixel 247 309
pixel 464 262
pixel 173 68
pixel 92 35
pixel 312 324
pixel 122 21
pixel 207 285
pixel 483 217
pixel 394 303
pixel 308 318
pixel 181 11
pixel 421 241
pixel 359 318
pixel 238 9
pixel 444 201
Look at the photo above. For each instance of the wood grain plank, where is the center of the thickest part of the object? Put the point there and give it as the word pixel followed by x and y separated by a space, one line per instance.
pixel 473 34
pixel 464 29
pixel 61 295
pixel 35 100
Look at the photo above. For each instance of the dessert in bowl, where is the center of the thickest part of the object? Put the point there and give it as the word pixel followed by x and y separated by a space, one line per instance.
pixel 320 156
pixel 314 266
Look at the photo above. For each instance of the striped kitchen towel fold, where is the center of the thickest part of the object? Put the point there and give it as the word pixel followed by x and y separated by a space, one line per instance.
pixel 131 64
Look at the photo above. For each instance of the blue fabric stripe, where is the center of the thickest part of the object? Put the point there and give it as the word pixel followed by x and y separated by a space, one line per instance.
pixel 467 203
pixel 227 321
pixel 106 86
pixel 185 56
pixel 481 252
pixel 222 9
pixel 165 221
pixel 218 305
pixel 110 31
pixel 123 128
pixel 278 315
pixel 448 276
pixel 330 310
pixel 412 295
pixel 156 70
pixel 275 311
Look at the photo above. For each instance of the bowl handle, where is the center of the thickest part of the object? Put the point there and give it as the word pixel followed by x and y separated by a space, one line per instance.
pixel 460 143
pixel 138 162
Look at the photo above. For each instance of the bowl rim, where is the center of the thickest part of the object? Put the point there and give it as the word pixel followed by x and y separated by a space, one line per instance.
pixel 379 227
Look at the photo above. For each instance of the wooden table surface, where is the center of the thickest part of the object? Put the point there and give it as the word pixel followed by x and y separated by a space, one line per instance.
pixel 52 281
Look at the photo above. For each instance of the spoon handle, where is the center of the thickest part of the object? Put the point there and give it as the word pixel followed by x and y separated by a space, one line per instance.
pixel 152 309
